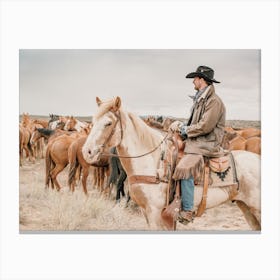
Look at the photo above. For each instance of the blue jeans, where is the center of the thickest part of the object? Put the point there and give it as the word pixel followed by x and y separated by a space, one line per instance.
pixel 187 193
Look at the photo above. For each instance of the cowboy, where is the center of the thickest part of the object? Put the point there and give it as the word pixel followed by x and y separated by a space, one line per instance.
pixel 202 134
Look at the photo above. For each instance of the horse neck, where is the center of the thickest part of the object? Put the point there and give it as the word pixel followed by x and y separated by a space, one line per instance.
pixel 138 139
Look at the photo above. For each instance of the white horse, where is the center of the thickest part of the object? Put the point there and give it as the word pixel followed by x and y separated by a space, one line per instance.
pixel 114 127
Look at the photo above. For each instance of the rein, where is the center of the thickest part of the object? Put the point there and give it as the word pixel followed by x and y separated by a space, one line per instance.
pixel 118 116
pixel 138 156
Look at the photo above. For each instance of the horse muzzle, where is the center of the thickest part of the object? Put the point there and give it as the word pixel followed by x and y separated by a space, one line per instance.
pixel 94 157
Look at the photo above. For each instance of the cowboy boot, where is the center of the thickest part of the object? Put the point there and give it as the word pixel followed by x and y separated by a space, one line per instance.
pixel 186 216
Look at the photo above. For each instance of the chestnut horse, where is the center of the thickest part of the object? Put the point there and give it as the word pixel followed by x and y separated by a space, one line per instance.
pixel 234 141
pixel 24 144
pixel 73 124
pixel 249 132
pixel 140 148
pixel 76 160
pixel 57 158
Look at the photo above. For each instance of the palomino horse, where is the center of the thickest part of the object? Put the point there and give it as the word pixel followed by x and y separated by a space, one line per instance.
pixel 114 127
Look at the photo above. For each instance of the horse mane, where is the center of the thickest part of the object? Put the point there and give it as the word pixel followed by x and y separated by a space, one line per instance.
pixel 145 133
pixel 104 107
pixel 46 131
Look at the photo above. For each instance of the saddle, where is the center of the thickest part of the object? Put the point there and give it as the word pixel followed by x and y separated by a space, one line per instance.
pixel 221 169
pixel 220 164
pixel 217 172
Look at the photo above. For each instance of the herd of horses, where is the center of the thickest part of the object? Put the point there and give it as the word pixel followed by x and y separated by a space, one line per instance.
pixel 59 140
pixel 111 146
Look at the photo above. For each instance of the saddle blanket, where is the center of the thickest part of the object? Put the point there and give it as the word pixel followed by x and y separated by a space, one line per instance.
pixel 221 179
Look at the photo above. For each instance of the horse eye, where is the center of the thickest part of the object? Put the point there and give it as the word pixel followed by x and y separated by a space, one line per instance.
pixel 108 124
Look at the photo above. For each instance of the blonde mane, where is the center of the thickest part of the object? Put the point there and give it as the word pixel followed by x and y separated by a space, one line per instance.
pixel 103 108
pixel 146 134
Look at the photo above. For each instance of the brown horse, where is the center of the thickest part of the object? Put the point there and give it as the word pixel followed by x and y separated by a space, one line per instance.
pixel 43 123
pixel 73 124
pixel 234 141
pixel 31 125
pixel 76 160
pixel 253 144
pixel 237 143
pixel 151 121
pixel 249 132
pixel 24 144
pixel 47 134
pixel 167 122
pixel 57 158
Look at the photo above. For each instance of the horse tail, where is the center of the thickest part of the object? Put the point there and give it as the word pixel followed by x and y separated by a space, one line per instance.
pixel 73 163
pixel 49 163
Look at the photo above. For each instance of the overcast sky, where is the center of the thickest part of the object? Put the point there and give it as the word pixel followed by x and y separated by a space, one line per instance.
pixel 149 82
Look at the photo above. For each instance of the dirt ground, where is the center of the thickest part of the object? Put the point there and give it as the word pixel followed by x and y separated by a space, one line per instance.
pixel 43 209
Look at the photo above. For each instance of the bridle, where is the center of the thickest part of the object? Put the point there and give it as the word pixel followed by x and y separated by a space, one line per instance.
pixel 118 116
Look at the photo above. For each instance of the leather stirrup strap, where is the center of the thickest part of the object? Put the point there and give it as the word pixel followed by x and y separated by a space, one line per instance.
pixel 202 204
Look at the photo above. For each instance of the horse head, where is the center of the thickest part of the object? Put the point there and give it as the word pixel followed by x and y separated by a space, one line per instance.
pixel 106 131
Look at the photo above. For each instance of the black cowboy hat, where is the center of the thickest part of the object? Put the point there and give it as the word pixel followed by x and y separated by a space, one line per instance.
pixel 204 72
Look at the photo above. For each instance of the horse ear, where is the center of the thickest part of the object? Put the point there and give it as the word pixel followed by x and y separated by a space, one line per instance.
pixel 98 101
pixel 117 104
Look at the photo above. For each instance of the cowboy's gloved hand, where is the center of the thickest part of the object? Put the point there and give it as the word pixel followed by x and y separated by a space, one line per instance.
pixel 175 126
pixel 183 131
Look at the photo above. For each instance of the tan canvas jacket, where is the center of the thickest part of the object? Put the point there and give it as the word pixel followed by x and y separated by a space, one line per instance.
pixel 206 125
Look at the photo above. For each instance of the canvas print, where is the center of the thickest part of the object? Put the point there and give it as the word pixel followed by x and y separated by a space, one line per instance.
pixel 139 140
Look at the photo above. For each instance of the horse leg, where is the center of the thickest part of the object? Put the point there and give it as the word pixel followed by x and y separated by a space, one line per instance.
pixel 41 147
pixel 84 179
pixel 127 199
pixel 25 148
pixel 49 167
pixel 58 168
pixel 146 216
pixel 153 218
pixel 251 215
pixel 31 152
pixel 120 186
pixel 20 156
pixel 78 174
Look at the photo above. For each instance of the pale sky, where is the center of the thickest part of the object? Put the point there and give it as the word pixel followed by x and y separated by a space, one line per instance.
pixel 149 82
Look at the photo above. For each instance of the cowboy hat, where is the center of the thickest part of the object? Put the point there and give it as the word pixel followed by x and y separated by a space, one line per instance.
pixel 204 72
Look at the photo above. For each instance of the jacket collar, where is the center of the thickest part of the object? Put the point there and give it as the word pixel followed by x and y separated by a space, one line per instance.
pixel 209 90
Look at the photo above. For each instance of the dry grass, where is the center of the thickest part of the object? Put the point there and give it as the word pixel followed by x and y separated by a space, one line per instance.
pixel 43 209
pixel 47 209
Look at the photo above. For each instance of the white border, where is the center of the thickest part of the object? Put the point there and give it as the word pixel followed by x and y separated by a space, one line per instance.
pixel 157 24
